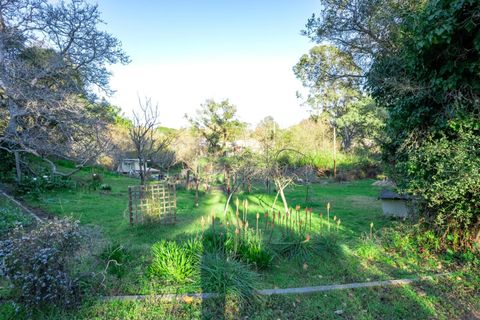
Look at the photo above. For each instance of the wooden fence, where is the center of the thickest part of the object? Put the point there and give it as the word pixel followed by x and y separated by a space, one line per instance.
pixel 152 203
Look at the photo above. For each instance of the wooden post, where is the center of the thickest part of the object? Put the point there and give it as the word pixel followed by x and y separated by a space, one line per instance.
pixel 174 204
pixel 163 208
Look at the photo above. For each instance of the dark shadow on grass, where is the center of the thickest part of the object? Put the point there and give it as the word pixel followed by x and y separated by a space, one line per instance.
pixel 220 274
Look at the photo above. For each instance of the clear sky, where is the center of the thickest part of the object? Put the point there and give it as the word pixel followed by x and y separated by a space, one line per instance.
pixel 184 52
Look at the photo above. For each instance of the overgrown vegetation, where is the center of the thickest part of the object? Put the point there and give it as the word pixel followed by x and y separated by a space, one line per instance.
pixel 420 61
pixel 432 95
pixel 10 217
pixel 38 264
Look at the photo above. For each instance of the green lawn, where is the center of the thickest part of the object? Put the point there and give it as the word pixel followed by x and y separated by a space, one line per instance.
pixel 343 256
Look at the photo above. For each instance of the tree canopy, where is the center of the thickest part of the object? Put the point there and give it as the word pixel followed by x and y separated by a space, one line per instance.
pixel 53 57
pixel 421 61
pixel 335 85
pixel 217 122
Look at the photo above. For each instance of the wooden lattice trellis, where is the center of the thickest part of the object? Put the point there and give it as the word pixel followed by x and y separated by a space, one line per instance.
pixel 152 203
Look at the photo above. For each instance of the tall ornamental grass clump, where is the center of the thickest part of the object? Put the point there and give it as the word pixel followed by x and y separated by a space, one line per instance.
pixel 176 263
pixel 238 239
pixel 228 277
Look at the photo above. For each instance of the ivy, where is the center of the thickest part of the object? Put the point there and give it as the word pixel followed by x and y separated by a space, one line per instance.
pixel 431 89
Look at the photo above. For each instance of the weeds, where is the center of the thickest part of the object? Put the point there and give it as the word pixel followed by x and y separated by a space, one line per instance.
pixel 116 258
pixel 11 217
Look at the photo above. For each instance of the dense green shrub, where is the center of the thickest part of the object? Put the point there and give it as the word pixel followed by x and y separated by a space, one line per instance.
pixel 7 166
pixel 430 86
pixel 34 186
pixel 105 187
pixel 175 263
pixel 37 263
pixel 445 174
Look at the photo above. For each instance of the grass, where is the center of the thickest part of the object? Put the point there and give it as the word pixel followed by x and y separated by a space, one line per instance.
pixel 452 297
pixel 10 216
pixel 350 254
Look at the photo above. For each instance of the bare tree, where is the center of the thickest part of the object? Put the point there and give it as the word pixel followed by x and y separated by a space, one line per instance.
pixel 245 167
pixel 282 175
pixel 146 138
pixel 191 154
pixel 52 57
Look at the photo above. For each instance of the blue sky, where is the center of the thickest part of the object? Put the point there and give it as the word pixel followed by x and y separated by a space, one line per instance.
pixel 184 52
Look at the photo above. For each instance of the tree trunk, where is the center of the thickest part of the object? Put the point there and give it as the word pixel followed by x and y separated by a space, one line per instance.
pixel 227 175
pixel 187 183
pixel 142 172
pixel 334 152
pixel 197 182
pixel 18 168
pixel 280 188
pixel 284 200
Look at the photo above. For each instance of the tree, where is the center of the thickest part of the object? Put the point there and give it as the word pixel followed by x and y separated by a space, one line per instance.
pixel 145 136
pixel 52 56
pixel 266 133
pixel 361 29
pixel 244 166
pixel 335 85
pixel 431 90
pixel 282 174
pixel 420 61
pixel 217 123
pixel 191 153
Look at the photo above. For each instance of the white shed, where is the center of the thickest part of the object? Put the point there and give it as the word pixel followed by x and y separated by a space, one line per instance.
pixel 132 167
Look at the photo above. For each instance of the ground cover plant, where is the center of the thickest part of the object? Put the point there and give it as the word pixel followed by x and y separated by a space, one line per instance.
pixel 36 262
pixel 11 216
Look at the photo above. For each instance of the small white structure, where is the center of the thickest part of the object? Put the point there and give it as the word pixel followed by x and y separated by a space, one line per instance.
pixel 394 204
pixel 243 144
pixel 132 167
